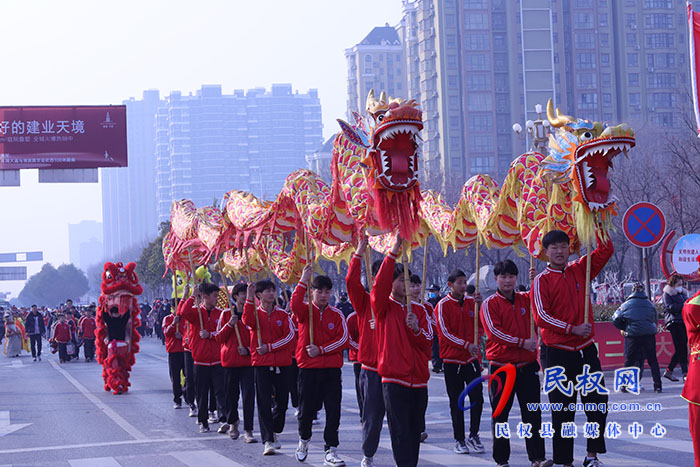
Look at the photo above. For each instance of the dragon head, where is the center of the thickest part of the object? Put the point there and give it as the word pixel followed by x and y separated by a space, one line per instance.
pixel 120 286
pixel 393 151
pixel 582 152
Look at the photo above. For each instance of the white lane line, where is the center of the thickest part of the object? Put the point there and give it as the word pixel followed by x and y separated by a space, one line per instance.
pixel 95 462
pixel 116 418
pixel 212 437
pixel 208 458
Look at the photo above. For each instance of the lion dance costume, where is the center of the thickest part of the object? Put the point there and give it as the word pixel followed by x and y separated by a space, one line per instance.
pixel 117 321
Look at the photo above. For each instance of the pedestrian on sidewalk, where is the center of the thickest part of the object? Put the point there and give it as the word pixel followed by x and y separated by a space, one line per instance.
pixel 674 299
pixel 636 318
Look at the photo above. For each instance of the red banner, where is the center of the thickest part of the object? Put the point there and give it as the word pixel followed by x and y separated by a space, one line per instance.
pixel 79 137
pixel 611 345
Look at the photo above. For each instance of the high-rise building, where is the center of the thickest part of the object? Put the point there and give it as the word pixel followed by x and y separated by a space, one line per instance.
pixel 85 246
pixel 210 143
pixel 478 66
pixel 377 62
pixel 320 160
pixel 129 193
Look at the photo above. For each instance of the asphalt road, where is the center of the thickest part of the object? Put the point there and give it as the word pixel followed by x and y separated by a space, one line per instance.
pixel 59 415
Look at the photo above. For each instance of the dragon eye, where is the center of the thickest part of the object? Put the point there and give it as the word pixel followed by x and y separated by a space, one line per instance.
pixel 108 275
pixel 586 136
pixel 380 118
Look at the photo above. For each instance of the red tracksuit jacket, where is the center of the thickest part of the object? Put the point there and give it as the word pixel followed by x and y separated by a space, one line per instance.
pixel 360 299
pixel 455 327
pixel 353 336
pixel 227 338
pixel 276 330
pixel 402 355
pixel 62 333
pixel 87 326
pixel 330 332
pixel 205 352
pixel 507 327
pixel 559 299
pixel 172 342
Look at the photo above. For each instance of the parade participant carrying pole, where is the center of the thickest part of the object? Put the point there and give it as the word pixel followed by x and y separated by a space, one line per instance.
pixel 194 281
pixel 228 298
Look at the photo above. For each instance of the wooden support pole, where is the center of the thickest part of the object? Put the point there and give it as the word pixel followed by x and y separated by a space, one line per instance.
pixel 196 298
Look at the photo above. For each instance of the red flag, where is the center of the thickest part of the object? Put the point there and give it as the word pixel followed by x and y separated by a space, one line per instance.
pixel 694 35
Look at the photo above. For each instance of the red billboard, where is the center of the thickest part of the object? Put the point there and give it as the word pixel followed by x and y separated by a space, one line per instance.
pixel 77 137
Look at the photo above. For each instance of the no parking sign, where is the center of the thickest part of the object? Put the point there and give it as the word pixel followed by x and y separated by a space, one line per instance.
pixel 644 224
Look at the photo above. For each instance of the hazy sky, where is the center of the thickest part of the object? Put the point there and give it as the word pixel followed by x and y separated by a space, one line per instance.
pixel 97 52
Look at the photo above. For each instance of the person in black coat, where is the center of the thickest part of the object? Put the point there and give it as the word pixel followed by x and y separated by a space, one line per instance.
pixel 35 328
pixel 674 299
pixel 636 318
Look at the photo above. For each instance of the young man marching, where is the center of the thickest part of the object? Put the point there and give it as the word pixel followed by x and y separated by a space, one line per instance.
pixel 404 341
pixel 460 354
pixel 174 329
pixel 320 363
pixel 505 316
pixel 271 356
pixel 558 298
pixel 206 352
pixel 372 399
pixel 234 337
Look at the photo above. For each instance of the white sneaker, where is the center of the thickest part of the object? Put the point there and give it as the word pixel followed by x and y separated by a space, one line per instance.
pixel 193 412
pixel 367 462
pixel 223 429
pixel 332 458
pixel 474 442
pixel 276 444
pixel 212 417
pixel 302 450
pixel 461 447
pixel 269 449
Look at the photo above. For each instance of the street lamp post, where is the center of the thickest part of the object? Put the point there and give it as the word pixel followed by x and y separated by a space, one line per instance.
pixel 537 131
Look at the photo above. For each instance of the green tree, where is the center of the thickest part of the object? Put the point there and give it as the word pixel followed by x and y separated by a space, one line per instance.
pixel 150 266
pixel 52 286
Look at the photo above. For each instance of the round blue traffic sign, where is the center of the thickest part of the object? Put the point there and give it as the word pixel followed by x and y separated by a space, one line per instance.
pixel 644 225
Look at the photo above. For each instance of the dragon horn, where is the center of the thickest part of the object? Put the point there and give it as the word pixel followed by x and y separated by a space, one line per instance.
pixel 382 97
pixel 370 99
pixel 558 120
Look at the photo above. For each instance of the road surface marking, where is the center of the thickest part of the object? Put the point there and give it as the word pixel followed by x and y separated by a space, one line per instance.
pixel 116 418
pixel 208 458
pixel 6 427
pixel 95 462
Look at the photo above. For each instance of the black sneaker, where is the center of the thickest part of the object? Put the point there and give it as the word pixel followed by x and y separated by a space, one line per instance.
pixel 669 375
pixel 204 428
pixel 595 462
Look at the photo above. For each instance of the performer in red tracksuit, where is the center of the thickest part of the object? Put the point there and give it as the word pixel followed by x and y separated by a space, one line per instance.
pixel 353 338
pixel 174 330
pixel 62 335
pixel 460 354
pixel 87 326
pixel 558 298
pixel 691 388
pixel 404 341
pixel 206 352
pixel 372 398
pixel 505 316
pixel 320 362
pixel 234 337
pixel 271 357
